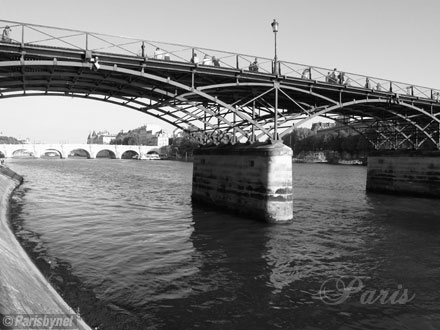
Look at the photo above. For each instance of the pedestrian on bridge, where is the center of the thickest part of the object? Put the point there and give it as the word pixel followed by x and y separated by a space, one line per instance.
pixel 367 83
pixel 6 33
pixel 158 54
pixel 253 67
pixel 194 59
pixel 333 76
pixel 216 61
pixel 207 60
pixel 341 77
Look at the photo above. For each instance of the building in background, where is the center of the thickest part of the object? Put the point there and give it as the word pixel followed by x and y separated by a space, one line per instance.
pixel 338 127
pixel 151 135
pixel 102 137
pixel 321 126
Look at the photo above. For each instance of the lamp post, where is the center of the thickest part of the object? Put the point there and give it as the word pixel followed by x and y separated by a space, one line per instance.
pixel 275 71
pixel 275 30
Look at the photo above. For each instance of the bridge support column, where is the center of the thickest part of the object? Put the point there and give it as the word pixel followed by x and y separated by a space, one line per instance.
pixel 410 173
pixel 252 180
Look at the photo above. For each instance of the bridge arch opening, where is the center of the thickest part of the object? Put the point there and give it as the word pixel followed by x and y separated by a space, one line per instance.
pixel 2 155
pixel 130 154
pixel 51 154
pixel 105 153
pixel 23 153
pixel 79 153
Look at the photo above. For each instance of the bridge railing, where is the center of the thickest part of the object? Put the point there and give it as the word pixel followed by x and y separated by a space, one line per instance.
pixel 47 36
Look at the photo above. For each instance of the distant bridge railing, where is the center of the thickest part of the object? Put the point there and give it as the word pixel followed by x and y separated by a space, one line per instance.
pixel 40 35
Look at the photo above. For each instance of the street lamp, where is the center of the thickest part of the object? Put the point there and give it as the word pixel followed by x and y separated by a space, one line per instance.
pixel 274 25
pixel 275 71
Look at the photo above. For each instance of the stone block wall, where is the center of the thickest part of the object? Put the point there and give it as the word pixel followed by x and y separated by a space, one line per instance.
pixel 410 174
pixel 252 180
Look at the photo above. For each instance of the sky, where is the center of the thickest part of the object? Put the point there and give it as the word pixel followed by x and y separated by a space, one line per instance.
pixel 390 39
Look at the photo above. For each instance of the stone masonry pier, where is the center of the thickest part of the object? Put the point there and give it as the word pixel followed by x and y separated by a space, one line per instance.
pixel 409 173
pixel 252 180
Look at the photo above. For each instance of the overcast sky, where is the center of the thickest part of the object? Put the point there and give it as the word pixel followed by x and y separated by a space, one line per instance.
pixel 391 39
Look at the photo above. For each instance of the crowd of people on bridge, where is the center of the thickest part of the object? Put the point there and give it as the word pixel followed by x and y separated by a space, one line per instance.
pixel 207 60
pixel 333 77
pixel 336 77
pixel 160 54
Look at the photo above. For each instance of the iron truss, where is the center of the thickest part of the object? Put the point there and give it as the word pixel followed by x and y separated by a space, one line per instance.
pixel 222 103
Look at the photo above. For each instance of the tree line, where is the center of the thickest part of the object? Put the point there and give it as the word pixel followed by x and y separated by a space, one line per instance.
pixel 300 140
pixel 9 140
pixel 305 140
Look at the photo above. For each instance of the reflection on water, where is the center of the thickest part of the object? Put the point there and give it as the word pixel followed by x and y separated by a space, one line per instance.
pixel 125 232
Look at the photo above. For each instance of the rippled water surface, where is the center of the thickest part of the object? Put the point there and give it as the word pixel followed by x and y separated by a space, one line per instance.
pixel 130 250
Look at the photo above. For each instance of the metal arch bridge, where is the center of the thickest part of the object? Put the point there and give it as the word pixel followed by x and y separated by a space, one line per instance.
pixel 227 100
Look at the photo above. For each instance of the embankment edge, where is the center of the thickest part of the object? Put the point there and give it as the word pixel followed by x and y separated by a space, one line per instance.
pixel 23 289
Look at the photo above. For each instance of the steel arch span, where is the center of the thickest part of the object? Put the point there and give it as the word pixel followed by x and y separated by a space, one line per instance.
pixel 221 96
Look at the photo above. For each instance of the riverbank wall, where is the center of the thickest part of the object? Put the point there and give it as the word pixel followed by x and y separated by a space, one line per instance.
pixel 24 291
pixel 411 173
pixel 251 180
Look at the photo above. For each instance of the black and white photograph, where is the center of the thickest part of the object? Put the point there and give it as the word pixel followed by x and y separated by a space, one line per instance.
pixel 219 165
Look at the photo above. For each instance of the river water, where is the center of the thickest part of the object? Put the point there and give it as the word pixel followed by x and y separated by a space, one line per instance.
pixel 121 240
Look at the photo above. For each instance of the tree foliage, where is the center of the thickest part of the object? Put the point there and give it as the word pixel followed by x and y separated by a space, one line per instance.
pixel 305 140
pixel 184 145
pixel 126 141
pixel 9 140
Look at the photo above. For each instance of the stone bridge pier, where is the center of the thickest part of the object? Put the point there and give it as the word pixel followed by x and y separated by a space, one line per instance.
pixel 405 173
pixel 253 180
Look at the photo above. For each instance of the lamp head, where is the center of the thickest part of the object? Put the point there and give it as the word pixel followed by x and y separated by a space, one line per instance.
pixel 274 25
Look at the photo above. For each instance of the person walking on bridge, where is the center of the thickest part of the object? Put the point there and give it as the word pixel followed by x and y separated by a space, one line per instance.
pixel 207 60
pixel 253 67
pixel 215 61
pixel 333 76
pixel 194 59
pixel 6 33
pixel 158 54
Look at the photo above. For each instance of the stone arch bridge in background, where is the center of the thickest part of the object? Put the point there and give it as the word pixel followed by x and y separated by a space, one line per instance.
pixel 66 150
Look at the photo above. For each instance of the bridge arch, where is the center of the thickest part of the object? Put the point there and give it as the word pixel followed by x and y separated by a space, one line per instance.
pixel 105 153
pixel 23 153
pixel 51 153
pixel 78 153
pixel 130 154
pixel 402 117
pixel 187 96
pixel 87 89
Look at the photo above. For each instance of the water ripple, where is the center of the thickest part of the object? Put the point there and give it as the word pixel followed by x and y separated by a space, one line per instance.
pixel 144 257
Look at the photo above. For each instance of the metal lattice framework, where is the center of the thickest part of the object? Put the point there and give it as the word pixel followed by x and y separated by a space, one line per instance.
pixel 220 95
